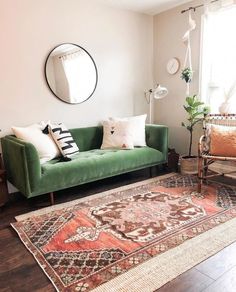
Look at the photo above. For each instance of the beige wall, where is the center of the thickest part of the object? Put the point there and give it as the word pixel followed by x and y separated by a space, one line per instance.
pixel 169 27
pixel 121 43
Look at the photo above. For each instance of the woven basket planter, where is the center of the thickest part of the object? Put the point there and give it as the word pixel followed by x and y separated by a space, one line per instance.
pixel 188 165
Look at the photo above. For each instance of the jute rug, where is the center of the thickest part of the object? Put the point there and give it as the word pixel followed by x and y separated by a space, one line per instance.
pixel 134 238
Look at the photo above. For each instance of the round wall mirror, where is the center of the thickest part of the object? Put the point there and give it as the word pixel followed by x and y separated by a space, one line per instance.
pixel 71 73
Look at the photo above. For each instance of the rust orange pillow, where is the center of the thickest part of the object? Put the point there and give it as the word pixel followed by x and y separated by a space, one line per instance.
pixel 223 141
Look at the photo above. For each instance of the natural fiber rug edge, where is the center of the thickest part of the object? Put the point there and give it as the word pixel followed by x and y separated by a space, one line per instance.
pixel 91 197
pixel 163 268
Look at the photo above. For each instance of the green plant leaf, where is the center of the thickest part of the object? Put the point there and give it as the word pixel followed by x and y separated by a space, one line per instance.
pixel 206 109
pixel 188 109
pixel 197 103
pixel 196 114
pixel 189 100
pixel 195 110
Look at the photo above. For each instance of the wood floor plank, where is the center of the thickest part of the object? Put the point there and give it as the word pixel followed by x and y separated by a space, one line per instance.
pixel 6 289
pixel 48 288
pixel 220 263
pixel 25 278
pixel 225 283
pixel 190 281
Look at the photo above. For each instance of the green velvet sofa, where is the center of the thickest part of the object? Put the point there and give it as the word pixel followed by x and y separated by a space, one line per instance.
pixel 31 178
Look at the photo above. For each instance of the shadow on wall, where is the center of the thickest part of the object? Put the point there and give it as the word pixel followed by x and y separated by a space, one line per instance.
pixel 179 139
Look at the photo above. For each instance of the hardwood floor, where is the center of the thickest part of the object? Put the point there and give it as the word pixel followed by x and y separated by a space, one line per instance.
pixel 216 274
pixel 20 272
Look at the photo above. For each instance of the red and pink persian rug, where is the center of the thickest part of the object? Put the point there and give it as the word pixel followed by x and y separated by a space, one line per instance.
pixel 134 238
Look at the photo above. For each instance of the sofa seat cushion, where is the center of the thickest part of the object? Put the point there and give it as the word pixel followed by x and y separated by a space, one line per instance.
pixel 96 164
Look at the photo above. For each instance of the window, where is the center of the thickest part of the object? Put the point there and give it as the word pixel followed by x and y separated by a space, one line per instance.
pixel 218 59
pixel 79 71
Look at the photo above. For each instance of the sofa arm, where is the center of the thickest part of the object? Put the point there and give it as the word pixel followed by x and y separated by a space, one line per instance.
pixel 157 137
pixel 22 164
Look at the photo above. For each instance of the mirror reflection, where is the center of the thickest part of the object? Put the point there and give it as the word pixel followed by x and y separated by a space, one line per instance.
pixel 71 73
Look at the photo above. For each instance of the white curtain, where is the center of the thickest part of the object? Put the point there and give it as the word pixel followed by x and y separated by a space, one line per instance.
pixel 218 56
pixel 79 70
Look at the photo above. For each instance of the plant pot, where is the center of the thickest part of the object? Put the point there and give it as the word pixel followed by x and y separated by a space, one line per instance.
pixel 189 165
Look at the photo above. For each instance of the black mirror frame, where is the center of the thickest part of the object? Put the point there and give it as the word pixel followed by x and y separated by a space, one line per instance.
pixel 45 73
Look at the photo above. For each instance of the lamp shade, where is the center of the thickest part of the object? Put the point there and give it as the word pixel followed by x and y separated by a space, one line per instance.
pixel 159 92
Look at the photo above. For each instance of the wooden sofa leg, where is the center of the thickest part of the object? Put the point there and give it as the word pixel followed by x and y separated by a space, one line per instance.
pixel 150 172
pixel 52 198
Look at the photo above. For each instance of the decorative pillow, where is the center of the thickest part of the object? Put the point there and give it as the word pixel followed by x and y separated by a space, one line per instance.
pixel 223 141
pixel 207 141
pixel 137 128
pixel 63 139
pixel 117 134
pixel 43 143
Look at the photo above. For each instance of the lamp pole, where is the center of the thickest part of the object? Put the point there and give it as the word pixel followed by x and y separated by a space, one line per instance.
pixel 150 106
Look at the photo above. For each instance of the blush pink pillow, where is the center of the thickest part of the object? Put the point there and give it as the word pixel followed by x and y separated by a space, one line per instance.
pixel 223 141
pixel 117 135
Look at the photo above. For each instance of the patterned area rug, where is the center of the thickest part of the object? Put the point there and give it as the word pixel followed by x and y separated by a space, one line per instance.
pixel 128 239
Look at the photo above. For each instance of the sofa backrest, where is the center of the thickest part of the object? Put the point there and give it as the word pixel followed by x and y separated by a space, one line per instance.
pixel 88 138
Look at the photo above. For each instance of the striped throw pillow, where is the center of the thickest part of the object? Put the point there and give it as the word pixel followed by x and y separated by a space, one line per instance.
pixel 63 139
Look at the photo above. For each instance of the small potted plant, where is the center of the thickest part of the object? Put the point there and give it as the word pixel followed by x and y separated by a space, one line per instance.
pixel 187 75
pixel 195 110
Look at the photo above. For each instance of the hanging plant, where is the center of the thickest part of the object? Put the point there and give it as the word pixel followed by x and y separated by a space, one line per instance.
pixel 187 75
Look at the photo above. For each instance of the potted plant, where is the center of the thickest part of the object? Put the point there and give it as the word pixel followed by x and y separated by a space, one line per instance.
pixel 195 111
pixel 187 74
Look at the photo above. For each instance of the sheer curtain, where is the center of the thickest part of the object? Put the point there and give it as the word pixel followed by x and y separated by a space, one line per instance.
pixel 78 68
pixel 218 59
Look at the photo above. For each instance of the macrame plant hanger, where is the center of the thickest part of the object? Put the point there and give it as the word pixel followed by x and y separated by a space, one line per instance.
pixel 186 41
